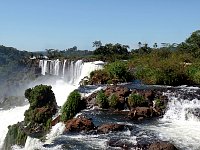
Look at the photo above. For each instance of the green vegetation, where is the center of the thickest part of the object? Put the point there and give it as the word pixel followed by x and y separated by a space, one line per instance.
pixel 114 72
pixel 72 106
pixel 42 107
pixel 159 104
pixel 113 101
pixel 136 100
pixel 171 64
pixel 16 70
pixel 102 100
pixel 14 136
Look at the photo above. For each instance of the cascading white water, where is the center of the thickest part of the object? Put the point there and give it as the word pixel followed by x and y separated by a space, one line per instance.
pixel 10 117
pixel 181 122
pixel 70 74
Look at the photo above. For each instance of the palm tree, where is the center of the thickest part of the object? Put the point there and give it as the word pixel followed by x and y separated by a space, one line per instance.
pixel 155 45
pixel 139 44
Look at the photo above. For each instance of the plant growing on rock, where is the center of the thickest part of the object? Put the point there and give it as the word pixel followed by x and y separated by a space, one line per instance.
pixel 113 101
pixel 42 106
pixel 102 99
pixel 118 71
pixel 15 135
pixel 136 100
pixel 159 104
pixel 72 106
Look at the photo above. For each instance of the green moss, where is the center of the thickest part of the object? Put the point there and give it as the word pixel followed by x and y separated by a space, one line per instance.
pixel 72 106
pixel 102 100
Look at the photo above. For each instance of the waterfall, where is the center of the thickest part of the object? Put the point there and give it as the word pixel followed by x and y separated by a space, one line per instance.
pixel 181 121
pixel 69 74
pixel 182 107
pixel 71 71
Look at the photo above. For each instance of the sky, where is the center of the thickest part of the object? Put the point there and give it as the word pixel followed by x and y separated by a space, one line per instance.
pixel 36 25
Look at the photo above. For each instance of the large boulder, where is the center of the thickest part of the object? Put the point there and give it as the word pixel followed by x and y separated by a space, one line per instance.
pixel 37 119
pixel 121 93
pixel 162 146
pixel 79 124
pixel 106 128
pixel 140 113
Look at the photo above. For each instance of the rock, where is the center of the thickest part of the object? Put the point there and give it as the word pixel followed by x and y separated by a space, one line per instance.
pixel 162 146
pixel 91 100
pixel 121 92
pixel 55 120
pixel 79 124
pixel 140 112
pixel 106 128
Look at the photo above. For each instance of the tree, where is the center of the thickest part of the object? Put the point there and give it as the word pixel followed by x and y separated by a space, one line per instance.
pixel 155 45
pixel 194 39
pixel 139 45
pixel 97 44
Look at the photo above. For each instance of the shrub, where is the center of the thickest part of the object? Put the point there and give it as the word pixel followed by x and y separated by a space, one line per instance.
pixel 99 77
pixel 42 107
pixel 15 136
pixel 159 104
pixel 113 101
pixel 72 106
pixel 135 100
pixel 146 74
pixel 40 95
pixel 102 100
pixel 118 70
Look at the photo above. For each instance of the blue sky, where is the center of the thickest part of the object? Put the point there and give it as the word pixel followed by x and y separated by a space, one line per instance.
pixel 39 24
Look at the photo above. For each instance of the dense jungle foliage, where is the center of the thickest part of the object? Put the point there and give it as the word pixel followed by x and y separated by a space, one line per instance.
pixel 175 64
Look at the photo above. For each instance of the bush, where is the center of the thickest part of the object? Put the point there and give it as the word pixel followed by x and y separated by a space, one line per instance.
pixel 72 106
pixel 102 100
pixel 113 101
pixel 146 74
pixel 119 70
pixel 15 136
pixel 136 100
pixel 99 77
pixel 42 107
pixel 159 104
pixel 40 95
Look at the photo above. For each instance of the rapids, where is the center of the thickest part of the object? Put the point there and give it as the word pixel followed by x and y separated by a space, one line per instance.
pixel 180 124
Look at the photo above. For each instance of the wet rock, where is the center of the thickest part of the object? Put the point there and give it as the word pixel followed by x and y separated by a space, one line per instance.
pixel 121 93
pixel 106 128
pixel 79 124
pixel 162 146
pixel 140 112
pixel 55 120
pixel 91 100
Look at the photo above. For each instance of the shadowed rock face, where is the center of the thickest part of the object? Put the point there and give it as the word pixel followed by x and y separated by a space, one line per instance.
pixel 106 128
pixel 79 124
pixel 162 146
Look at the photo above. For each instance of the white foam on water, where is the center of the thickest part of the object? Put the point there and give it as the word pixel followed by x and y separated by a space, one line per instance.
pixel 56 130
pixel 61 88
pixel 10 117
pixel 181 122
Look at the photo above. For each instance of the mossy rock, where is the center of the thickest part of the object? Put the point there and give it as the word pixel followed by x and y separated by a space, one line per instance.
pixel 72 106
pixel 15 136
pixel 113 101
pixel 102 100
pixel 136 100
